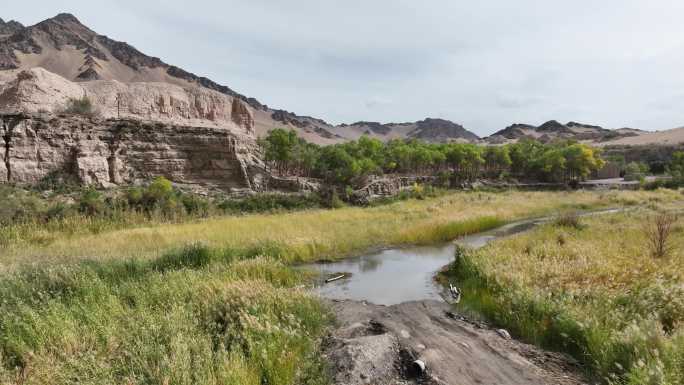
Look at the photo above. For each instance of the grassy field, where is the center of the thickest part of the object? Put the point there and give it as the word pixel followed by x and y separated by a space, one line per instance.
pixel 177 320
pixel 592 289
pixel 215 301
pixel 316 234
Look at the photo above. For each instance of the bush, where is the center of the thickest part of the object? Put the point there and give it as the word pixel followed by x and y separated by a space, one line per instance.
pixel 18 205
pixel 571 220
pixel 270 203
pixel 195 205
pixel 82 106
pixel 91 203
pixel 663 183
pixel 658 231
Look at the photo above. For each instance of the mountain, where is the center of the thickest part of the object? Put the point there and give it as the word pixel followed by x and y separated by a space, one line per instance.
pixel 429 130
pixel 553 130
pixel 64 46
pixel 672 137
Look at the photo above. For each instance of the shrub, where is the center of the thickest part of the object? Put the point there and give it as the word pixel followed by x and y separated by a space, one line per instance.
pixel 195 205
pixel 57 211
pixel 83 106
pixel 571 219
pixel 158 191
pixel 658 231
pixel 18 205
pixel 270 203
pixel 134 196
pixel 90 202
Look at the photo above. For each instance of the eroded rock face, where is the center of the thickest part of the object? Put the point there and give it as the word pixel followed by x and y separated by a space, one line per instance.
pixel 241 116
pixel 37 90
pixel 120 152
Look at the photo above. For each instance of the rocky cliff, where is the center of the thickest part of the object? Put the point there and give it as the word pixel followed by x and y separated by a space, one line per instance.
pixel 109 152
pixel 38 90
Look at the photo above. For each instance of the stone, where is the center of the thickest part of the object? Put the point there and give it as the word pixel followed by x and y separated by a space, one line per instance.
pixel 504 334
pixel 110 152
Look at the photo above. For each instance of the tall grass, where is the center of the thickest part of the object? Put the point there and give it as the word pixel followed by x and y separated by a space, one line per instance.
pixel 318 234
pixel 194 316
pixel 598 295
pixel 223 306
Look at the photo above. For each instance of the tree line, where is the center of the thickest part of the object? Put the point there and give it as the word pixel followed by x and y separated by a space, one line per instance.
pixel 286 154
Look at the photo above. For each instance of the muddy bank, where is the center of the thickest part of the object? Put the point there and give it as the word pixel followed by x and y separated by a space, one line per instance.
pixel 376 344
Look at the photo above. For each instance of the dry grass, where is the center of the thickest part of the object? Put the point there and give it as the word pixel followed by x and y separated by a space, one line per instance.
pixel 322 233
pixel 135 313
pixel 597 294
pixel 611 253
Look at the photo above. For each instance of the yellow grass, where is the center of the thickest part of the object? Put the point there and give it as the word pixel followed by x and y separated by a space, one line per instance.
pixel 326 233
pixel 612 254
pixel 596 291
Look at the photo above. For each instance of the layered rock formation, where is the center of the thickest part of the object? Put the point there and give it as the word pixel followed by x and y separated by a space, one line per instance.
pixel 133 132
pixel 37 90
pixel 121 152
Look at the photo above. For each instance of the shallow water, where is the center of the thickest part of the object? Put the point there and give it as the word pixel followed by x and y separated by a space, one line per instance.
pixel 393 276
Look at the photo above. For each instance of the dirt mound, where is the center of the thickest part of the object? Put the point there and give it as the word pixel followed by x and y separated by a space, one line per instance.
pixel 379 345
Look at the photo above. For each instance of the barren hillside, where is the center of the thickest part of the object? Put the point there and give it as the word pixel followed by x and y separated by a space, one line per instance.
pixel 105 68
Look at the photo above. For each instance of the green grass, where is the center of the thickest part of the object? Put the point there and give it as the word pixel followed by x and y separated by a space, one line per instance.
pixel 194 316
pixel 214 301
pixel 313 234
pixel 593 291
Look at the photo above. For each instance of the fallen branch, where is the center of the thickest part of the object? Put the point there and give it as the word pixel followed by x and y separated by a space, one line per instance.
pixel 334 278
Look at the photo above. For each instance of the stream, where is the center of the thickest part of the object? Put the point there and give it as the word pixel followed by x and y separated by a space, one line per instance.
pixel 398 275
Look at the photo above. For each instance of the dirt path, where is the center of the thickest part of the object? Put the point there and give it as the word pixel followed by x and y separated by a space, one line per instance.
pixel 379 344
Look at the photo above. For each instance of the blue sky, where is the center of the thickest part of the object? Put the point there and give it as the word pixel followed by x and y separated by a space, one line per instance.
pixel 484 64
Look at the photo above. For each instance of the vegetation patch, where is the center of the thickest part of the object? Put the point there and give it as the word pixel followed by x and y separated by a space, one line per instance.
pixel 600 295
pixel 212 300
pixel 195 315
pixel 299 235
pixel 347 163
pixel 83 106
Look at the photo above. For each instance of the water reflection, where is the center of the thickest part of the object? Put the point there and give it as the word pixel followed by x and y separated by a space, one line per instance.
pixel 393 276
pixel 369 264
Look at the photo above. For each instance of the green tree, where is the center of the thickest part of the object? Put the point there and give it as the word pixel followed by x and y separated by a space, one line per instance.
pixel 581 160
pixel 279 148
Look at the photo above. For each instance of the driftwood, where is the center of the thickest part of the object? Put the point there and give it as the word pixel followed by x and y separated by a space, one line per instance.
pixel 333 279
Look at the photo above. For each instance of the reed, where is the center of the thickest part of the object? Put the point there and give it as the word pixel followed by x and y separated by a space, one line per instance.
pixel 598 295
pixel 315 234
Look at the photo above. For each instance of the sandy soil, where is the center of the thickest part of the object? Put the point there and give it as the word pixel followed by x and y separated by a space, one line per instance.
pixel 379 344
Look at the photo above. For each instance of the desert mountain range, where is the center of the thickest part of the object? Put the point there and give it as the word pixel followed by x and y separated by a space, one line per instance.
pixel 43 65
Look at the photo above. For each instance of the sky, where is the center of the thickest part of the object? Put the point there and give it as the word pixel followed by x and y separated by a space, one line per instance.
pixel 483 64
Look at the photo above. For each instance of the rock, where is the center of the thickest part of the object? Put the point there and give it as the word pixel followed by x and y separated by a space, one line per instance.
pixel 119 152
pixel 241 116
pixel 362 359
pixel 504 334
pixel 39 91
pixel 458 352
pixel 418 367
